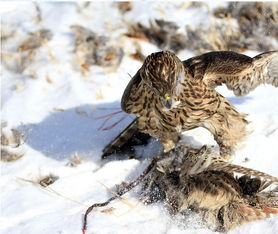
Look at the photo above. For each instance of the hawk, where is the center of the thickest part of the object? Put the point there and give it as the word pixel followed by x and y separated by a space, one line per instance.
pixel 169 96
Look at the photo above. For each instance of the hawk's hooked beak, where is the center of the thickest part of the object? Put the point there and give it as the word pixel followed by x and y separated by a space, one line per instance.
pixel 168 101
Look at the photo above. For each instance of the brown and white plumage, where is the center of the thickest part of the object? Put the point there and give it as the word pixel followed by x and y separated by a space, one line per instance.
pixel 192 161
pixel 126 140
pixel 195 180
pixel 169 96
pixel 239 72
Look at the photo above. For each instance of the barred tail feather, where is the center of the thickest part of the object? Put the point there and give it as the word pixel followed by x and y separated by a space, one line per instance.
pixel 250 172
pixel 120 140
pixel 243 170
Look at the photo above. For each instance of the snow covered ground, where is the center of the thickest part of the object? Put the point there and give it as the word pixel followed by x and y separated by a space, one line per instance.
pixel 55 104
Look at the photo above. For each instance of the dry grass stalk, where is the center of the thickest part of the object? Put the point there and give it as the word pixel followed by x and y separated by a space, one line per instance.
pixel 49 189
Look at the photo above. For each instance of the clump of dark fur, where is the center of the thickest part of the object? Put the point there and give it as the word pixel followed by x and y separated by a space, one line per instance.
pixel 95 49
pixel 257 25
pixel 256 28
pixel 160 32
pixel 250 186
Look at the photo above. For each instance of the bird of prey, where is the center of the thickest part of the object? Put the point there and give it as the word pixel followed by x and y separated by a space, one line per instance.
pixel 169 96
pixel 191 181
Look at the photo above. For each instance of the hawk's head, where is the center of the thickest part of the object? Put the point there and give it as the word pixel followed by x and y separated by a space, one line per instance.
pixel 162 71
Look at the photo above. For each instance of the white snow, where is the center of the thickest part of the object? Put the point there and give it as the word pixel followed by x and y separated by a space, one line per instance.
pixel 59 120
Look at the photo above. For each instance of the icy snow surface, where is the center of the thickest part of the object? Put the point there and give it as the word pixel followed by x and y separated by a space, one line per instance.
pixel 56 105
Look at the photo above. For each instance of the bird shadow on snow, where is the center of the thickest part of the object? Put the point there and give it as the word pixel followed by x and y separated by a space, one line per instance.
pixel 83 130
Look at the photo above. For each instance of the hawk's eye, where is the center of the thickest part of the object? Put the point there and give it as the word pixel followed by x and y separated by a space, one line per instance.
pixel 167 97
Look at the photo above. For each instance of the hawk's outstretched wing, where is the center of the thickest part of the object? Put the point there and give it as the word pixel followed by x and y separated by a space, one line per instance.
pixel 239 72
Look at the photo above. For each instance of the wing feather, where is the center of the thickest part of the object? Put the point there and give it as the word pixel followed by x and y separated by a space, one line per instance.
pixel 239 72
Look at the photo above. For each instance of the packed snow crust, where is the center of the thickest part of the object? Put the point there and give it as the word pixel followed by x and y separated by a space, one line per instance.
pixel 55 105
